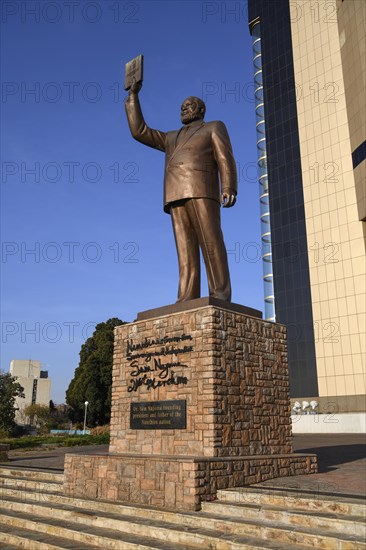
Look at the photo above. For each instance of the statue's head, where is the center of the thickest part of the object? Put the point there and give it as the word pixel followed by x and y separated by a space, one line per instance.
pixel 193 108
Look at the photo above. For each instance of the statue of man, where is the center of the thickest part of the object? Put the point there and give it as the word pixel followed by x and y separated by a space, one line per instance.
pixel 195 156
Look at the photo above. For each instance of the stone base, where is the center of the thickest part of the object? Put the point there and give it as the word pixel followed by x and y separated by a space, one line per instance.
pixel 188 305
pixel 179 483
pixel 200 402
pixel 229 367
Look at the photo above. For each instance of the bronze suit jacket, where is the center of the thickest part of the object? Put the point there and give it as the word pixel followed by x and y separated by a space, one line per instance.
pixel 193 162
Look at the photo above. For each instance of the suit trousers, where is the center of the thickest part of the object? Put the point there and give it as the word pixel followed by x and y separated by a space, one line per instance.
pixel 196 224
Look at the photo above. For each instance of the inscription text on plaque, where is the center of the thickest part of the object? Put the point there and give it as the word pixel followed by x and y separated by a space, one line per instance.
pixel 158 415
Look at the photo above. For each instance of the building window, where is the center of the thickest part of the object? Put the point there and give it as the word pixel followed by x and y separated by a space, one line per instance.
pixel 269 301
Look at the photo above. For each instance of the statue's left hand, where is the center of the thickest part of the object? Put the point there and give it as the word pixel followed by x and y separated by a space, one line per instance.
pixel 228 199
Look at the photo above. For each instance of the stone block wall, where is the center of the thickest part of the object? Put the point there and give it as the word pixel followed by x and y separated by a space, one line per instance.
pixel 172 482
pixel 226 372
pixel 230 368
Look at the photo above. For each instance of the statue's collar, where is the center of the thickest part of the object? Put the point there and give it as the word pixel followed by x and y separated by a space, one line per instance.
pixel 194 123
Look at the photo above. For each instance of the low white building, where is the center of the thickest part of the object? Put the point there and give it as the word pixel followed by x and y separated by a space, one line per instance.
pixel 36 384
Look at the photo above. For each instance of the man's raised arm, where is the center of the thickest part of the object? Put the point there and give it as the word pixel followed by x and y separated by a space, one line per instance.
pixel 139 130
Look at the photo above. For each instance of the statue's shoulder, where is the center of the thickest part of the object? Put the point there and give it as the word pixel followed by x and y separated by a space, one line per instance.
pixel 215 124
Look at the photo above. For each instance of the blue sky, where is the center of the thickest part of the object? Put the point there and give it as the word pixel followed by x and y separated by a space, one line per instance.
pixel 84 235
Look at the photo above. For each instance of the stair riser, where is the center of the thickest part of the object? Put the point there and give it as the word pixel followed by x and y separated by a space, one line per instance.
pixel 84 538
pixel 105 542
pixel 108 523
pixel 293 503
pixel 39 486
pixel 92 505
pixel 27 544
pixel 125 511
pixel 33 496
pixel 29 474
pixel 287 518
pixel 159 533
pixel 101 507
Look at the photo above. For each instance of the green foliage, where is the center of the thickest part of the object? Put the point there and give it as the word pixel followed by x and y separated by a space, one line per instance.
pixel 31 442
pixel 40 416
pixel 9 390
pixel 92 380
pixel 59 417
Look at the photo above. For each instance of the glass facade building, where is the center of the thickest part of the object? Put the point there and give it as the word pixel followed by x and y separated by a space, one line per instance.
pixel 286 202
pixel 310 143
pixel 269 302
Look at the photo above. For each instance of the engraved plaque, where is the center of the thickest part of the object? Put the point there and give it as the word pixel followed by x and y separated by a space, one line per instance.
pixel 159 415
pixel 134 71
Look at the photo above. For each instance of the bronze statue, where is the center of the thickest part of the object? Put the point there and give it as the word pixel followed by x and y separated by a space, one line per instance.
pixel 195 156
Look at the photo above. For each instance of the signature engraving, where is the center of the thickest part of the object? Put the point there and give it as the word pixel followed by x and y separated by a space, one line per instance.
pixel 148 368
pixel 165 375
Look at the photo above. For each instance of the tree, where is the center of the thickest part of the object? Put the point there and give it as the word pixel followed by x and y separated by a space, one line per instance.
pixel 9 390
pixel 40 416
pixel 92 380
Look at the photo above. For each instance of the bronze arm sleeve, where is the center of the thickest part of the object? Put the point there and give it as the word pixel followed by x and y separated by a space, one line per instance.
pixel 139 130
pixel 225 158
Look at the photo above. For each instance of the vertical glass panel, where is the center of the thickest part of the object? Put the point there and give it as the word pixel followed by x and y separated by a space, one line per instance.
pixel 269 301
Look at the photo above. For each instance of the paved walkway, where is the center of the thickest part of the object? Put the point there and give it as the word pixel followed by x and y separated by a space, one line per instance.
pixel 341 465
pixel 49 459
pixel 341 458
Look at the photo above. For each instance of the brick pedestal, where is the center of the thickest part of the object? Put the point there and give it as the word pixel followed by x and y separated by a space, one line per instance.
pixel 229 370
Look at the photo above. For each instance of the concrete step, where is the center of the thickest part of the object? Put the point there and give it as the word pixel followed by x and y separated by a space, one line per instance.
pixel 123 510
pixel 66 535
pixel 192 529
pixel 316 502
pixel 95 537
pixel 34 510
pixel 335 523
pixel 8 546
pixel 32 540
pixel 36 475
pixel 30 484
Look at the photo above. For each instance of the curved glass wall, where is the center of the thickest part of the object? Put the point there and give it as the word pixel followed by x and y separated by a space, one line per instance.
pixel 269 301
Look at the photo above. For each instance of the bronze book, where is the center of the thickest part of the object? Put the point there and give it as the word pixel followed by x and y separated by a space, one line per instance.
pixel 134 71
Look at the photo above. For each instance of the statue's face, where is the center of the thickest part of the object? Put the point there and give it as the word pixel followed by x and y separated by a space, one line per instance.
pixel 190 111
